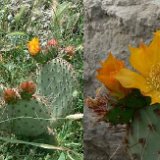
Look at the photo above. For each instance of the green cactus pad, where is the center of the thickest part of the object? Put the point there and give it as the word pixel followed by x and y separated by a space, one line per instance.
pixel 28 117
pixel 144 134
pixel 57 83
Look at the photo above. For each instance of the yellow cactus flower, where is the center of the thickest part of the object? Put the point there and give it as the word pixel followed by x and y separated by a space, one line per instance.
pixel 34 46
pixel 146 61
pixel 107 73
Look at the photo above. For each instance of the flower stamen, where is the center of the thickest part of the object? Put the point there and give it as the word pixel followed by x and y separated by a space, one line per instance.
pixel 153 80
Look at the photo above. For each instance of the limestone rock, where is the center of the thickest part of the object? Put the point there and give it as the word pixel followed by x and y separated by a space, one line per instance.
pixel 101 141
pixel 111 25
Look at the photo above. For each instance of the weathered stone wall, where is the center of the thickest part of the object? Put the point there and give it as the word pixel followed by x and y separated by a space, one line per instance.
pixel 110 25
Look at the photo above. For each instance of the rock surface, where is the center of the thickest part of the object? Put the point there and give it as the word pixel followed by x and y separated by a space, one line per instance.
pixel 101 141
pixel 111 25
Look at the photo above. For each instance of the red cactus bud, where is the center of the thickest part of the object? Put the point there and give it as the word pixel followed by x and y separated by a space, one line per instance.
pixel 10 95
pixel 28 87
pixel 52 42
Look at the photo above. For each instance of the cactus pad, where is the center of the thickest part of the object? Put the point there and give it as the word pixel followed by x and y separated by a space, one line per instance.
pixel 28 117
pixel 144 134
pixel 57 83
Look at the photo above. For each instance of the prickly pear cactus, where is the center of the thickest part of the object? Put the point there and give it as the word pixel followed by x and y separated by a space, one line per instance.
pixel 57 83
pixel 144 134
pixel 33 115
pixel 27 117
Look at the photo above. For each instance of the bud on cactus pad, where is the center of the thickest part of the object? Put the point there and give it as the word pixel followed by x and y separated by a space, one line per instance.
pixel 10 95
pixel 27 89
pixel 57 82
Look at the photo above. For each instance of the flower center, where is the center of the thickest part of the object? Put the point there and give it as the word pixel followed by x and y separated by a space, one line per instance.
pixel 154 77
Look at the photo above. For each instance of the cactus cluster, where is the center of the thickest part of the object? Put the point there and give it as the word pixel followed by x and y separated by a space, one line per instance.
pixel 28 112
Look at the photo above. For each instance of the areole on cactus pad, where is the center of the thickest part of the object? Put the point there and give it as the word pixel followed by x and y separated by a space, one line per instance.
pixel 133 98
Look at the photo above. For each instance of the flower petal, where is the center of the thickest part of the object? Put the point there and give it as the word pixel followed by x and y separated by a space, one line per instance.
pixel 34 46
pixel 142 59
pixel 129 79
pixel 112 64
pixel 106 74
pixel 154 47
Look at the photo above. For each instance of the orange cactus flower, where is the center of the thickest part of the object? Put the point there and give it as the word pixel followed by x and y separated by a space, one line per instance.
pixel 146 61
pixel 107 75
pixel 10 95
pixel 28 87
pixel 34 46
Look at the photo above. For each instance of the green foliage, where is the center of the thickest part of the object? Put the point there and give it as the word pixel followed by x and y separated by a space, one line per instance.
pixel 134 100
pixel 66 21
pixel 125 109
pixel 15 67
pixel 71 130
pixel 69 135
pixel 120 115
pixel 17 38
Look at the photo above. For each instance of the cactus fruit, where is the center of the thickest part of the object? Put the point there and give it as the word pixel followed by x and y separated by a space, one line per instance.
pixel 57 83
pixel 27 89
pixel 10 95
pixel 27 117
pixel 144 133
